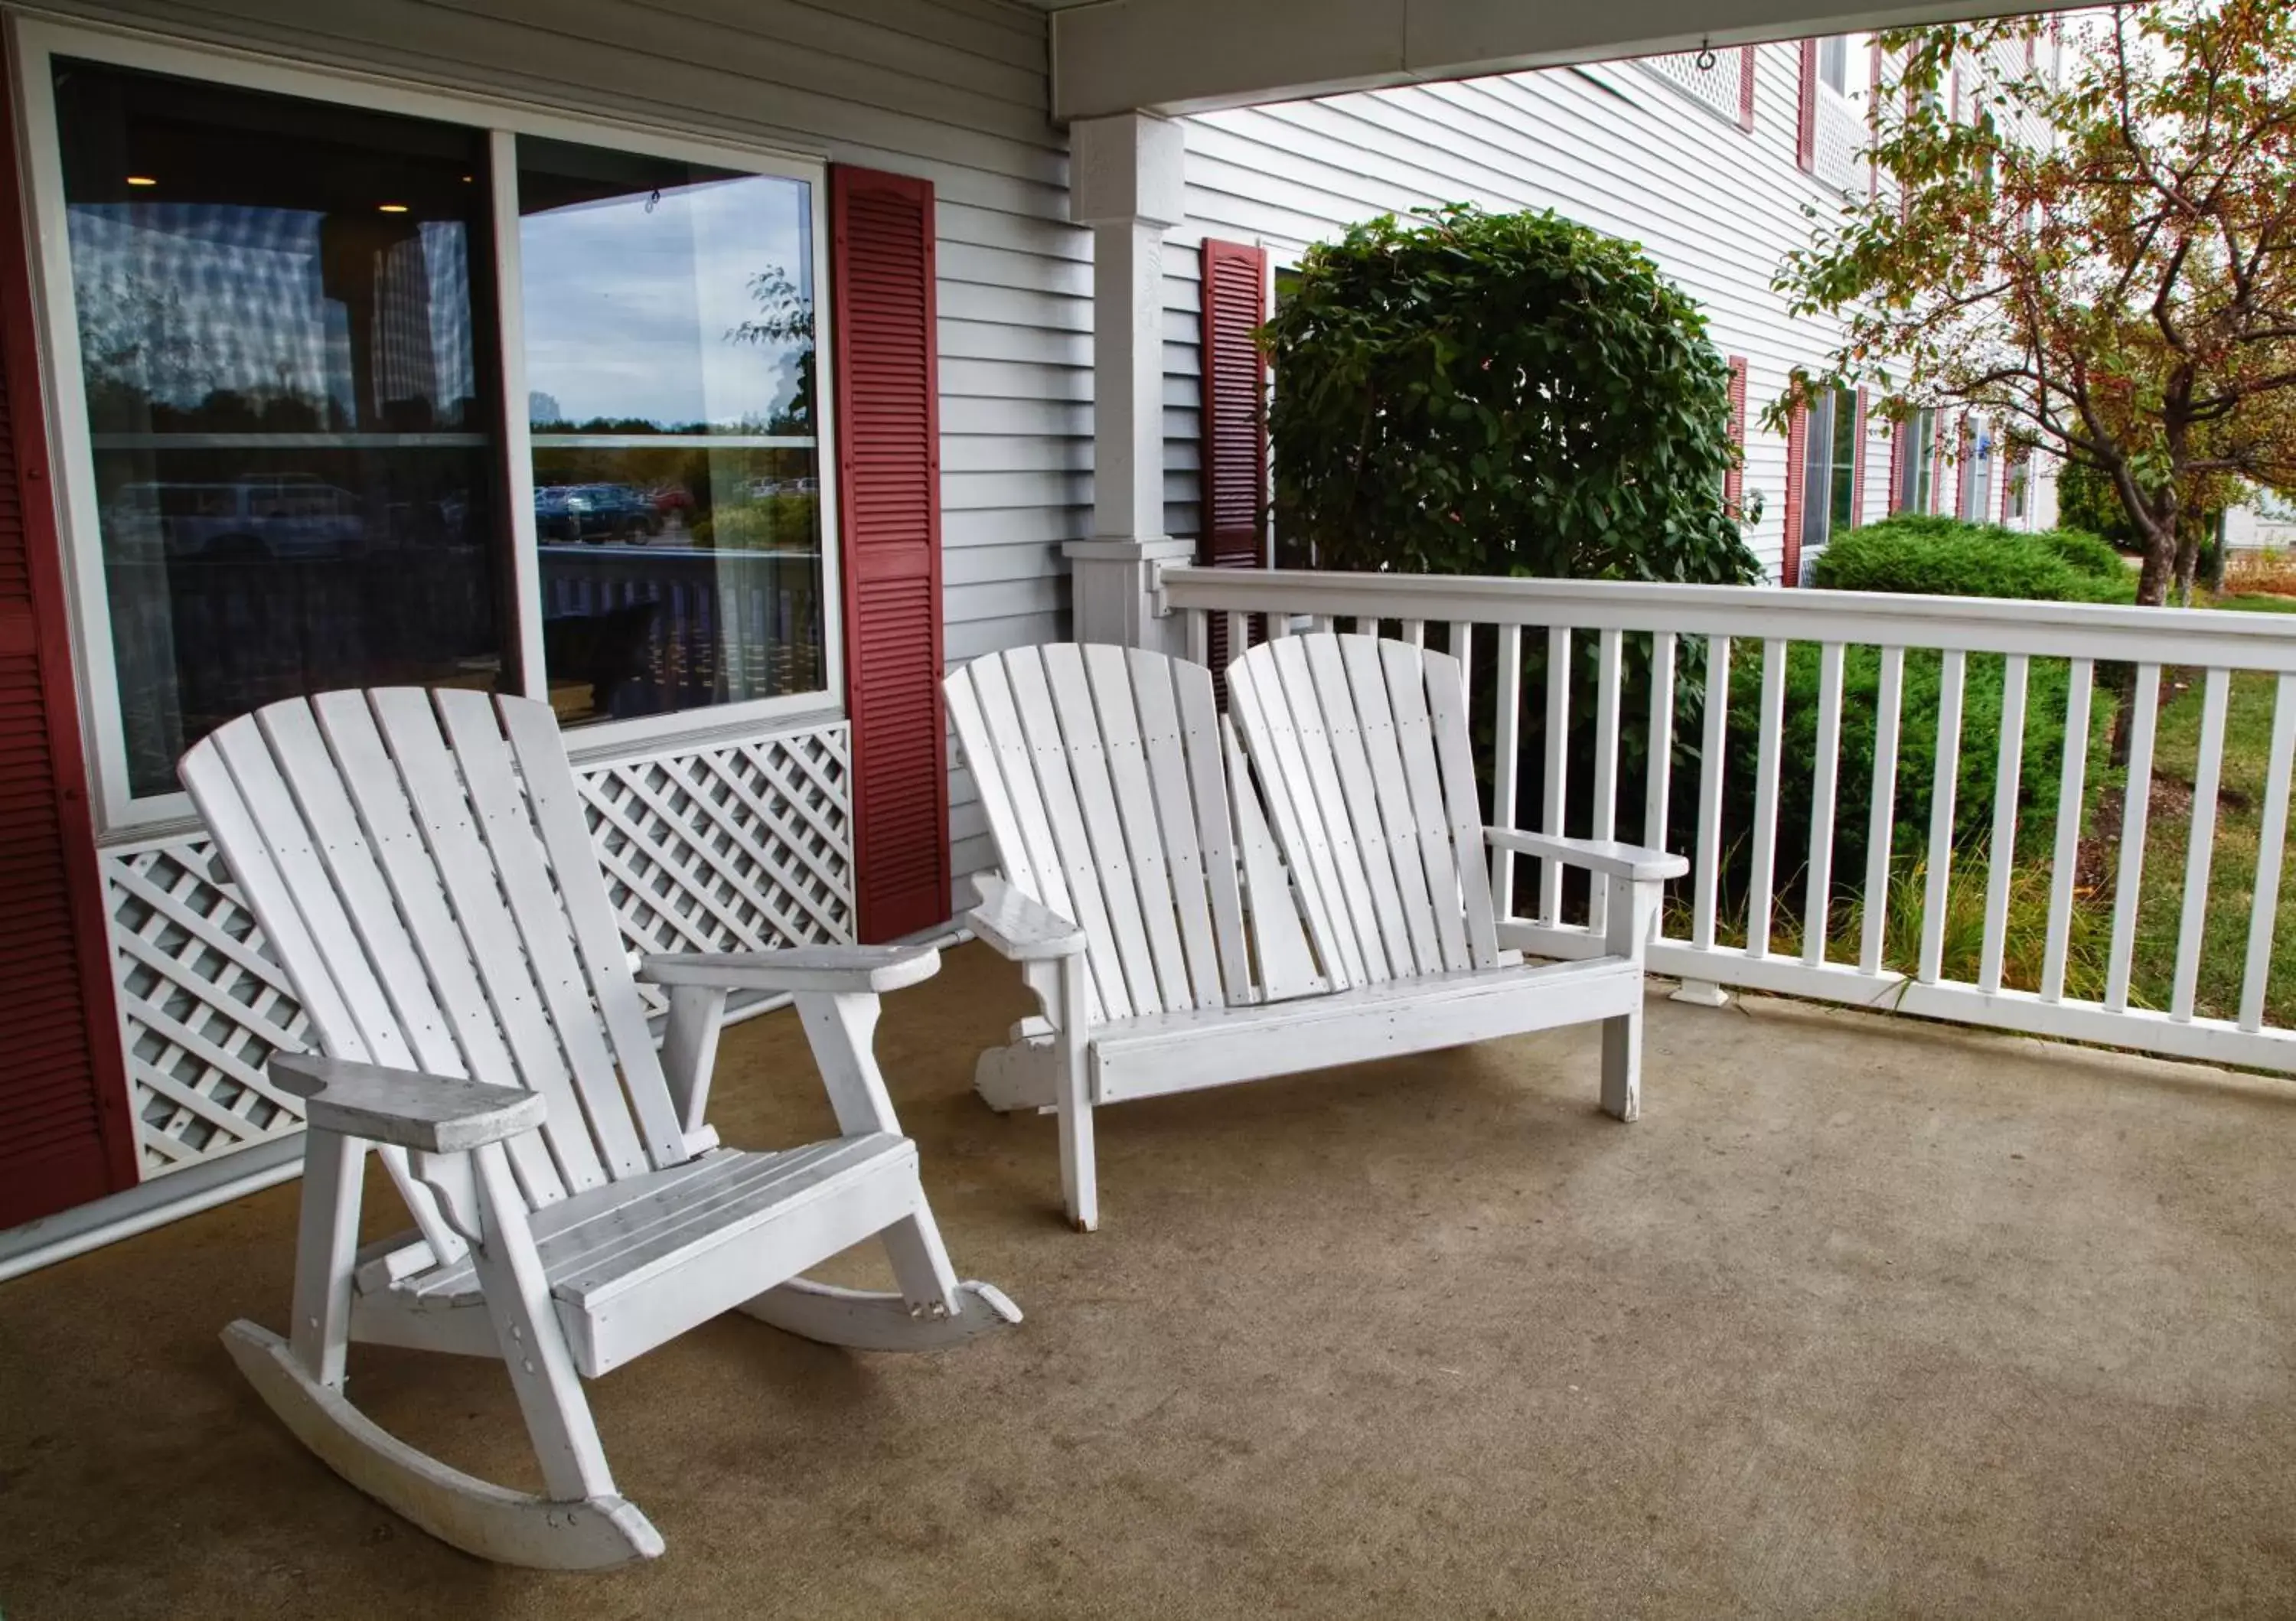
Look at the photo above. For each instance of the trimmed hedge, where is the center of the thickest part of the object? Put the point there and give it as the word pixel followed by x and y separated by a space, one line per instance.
pixel 1946 557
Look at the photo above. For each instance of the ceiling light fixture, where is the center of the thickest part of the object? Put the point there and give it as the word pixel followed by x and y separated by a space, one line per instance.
pixel 391 207
pixel 141 180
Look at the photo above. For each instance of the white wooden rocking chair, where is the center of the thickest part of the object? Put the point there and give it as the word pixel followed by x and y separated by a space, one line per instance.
pixel 1142 897
pixel 421 866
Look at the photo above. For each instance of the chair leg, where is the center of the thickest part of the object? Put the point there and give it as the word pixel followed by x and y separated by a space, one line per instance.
pixel 1622 1066
pixel 920 1263
pixel 533 1344
pixel 1080 1174
pixel 326 1240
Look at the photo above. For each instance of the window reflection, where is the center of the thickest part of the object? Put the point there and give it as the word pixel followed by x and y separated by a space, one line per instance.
pixel 669 315
pixel 276 313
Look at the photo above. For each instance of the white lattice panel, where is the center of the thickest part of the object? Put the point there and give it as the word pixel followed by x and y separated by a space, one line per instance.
pixel 736 848
pixel 1719 86
pixel 735 845
pixel 1840 142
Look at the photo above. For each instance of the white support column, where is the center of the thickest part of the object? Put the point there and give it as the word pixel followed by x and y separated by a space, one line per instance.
pixel 1125 182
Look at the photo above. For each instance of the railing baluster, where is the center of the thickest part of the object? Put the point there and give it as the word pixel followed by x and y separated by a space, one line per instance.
pixel 1999 873
pixel 1414 631
pixel 1662 740
pixel 1817 895
pixel 2071 786
pixel 1941 795
pixel 1506 708
pixel 1606 764
pixel 1558 724
pixel 1366 627
pixel 1279 626
pixel 2271 845
pixel 1322 623
pixel 1765 800
pixel 1200 635
pixel 2135 807
pixel 2200 847
pixel 1463 642
pixel 1239 634
pixel 1713 737
pixel 1882 817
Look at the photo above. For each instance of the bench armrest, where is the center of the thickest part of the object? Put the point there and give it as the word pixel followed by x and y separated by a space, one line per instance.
pixel 436 1114
pixel 1604 855
pixel 1019 928
pixel 796 968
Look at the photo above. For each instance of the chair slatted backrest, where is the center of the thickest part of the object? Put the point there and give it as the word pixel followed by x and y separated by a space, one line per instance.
pixel 420 865
pixel 1100 769
pixel 1360 747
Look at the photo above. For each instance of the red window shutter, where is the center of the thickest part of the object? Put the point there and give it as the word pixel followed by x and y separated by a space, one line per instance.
pixel 1234 302
pixel 1806 128
pixel 1734 482
pixel 1235 417
pixel 1749 59
pixel 1897 436
pixel 1936 467
pixel 1962 488
pixel 1858 464
pixel 65 1136
pixel 1797 449
pixel 888 510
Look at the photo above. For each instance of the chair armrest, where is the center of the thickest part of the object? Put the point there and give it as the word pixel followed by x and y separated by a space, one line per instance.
pixel 796 968
pixel 437 1114
pixel 1019 928
pixel 1604 855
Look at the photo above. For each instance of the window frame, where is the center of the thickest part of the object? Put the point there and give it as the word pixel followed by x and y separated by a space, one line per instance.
pixel 34 42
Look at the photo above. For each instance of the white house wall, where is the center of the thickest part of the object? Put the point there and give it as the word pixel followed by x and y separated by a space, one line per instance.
pixel 1612 146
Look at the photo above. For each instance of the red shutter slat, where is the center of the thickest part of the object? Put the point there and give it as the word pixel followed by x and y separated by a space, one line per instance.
pixel 1797 447
pixel 1897 498
pixel 1234 304
pixel 65 1136
pixel 1734 482
pixel 1857 465
pixel 1806 124
pixel 887 406
pixel 1748 57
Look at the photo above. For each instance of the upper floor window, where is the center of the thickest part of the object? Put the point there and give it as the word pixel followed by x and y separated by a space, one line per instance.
pixel 357 395
pixel 1834 63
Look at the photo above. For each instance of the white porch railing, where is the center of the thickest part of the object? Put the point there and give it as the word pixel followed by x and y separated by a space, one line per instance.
pixel 1713 634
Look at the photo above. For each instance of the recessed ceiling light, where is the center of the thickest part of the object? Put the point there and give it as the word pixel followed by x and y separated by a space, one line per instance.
pixel 392 207
pixel 141 180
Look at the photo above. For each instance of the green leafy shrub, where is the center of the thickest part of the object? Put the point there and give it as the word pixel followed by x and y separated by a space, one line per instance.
pixel 1500 394
pixel 1946 557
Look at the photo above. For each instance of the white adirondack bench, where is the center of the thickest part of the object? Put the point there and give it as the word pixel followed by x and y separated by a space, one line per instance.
pixel 1143 896
pixel 420 864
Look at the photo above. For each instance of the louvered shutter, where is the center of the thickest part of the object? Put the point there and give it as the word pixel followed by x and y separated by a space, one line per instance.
pixel 1234 302
pixel 1734 482
pixel 1806 123
pixel 888 510
pixel 65 1136
pixel 1797 475
pixel 1858 464
pixel 1899 434
pixel 1748 59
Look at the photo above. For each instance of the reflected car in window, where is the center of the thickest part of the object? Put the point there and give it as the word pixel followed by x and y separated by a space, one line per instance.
pixel 288 518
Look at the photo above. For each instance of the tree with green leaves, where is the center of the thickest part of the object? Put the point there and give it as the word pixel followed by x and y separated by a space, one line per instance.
pixel 1508 394
pixel 2101 257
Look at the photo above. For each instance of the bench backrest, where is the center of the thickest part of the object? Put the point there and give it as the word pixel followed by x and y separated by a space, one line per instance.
pixel 423 868
pixel 1101 771
pixel 1360 748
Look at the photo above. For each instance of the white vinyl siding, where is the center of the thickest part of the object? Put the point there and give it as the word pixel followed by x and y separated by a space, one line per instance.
pixel 951 90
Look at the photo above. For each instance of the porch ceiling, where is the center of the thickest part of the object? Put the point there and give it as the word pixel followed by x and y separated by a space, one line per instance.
pixel 1864 1317
pixel 1191 55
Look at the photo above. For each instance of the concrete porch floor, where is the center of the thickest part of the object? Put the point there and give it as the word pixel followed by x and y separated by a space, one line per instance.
pixel 1865 1318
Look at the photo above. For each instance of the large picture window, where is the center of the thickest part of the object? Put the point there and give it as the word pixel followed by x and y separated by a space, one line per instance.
pixel 670 375
pixel 364 388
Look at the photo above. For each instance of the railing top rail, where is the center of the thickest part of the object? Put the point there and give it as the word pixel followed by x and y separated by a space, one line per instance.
pixel 2078 630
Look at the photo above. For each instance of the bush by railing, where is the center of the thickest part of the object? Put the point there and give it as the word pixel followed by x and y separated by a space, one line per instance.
pixel 1931 556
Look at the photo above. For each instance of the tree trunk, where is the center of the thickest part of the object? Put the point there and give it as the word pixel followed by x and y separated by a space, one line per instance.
pixel 2160 566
